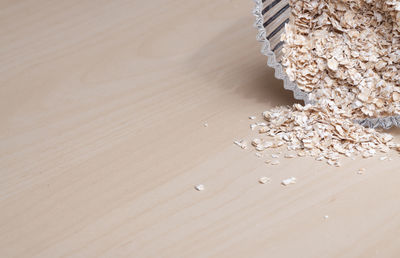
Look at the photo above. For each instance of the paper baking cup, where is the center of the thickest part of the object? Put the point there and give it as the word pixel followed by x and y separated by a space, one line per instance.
pixel 271 17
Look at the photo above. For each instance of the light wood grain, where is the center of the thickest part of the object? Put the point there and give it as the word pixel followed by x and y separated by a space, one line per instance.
pixel 102 140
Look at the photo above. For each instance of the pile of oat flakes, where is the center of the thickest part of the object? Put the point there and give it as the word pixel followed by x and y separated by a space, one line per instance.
pixel 346 55
pixel 347 51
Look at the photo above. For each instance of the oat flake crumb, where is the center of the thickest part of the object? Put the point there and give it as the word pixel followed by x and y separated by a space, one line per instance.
pixel 264 180
pixel 291 180
pixel 242 144
pixel 275 162
pixel 361 171
pixel 199 187
pixel 290 156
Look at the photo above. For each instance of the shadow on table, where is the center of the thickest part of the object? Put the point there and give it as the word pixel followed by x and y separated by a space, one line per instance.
pixel 393 131
pixel 233 60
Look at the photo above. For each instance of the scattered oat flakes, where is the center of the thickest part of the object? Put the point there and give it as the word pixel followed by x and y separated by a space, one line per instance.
pixel 289 156
pixel 325 135
pixel 252 117
pixel 275 156
pixel 268 161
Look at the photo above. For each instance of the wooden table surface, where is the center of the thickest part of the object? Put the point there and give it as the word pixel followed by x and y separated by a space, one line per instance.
pixel 103 106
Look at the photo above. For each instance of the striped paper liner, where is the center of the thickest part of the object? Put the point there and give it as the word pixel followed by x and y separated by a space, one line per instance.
pixel 271 17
